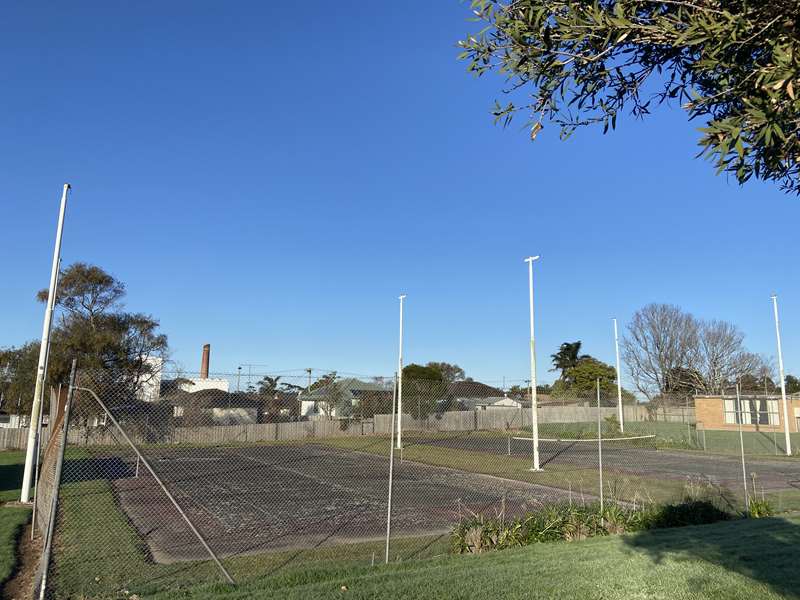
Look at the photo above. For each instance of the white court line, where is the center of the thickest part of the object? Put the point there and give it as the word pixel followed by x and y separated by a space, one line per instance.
pixel 610 439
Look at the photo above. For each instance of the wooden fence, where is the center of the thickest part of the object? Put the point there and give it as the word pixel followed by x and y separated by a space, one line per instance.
pixel 499 419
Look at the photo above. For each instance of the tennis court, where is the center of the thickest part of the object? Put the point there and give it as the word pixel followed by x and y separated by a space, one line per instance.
pixel 639 457
pixel 300 496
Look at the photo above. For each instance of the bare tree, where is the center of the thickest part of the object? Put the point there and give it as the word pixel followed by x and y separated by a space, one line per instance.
pixel 721 357
pixel 659 348
pixel 669 351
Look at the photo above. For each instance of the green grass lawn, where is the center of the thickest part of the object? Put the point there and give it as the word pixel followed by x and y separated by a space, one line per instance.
pixel 733 560
pixel 11 466
pixel 12 520
pixel 98 553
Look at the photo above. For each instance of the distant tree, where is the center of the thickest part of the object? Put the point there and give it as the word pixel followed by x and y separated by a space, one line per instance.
pixel 323 381
pixel 87 292
pixel 18 375
pixel 268 386
pixel 523 392
pixel 331 396
pixel 567 357
pixel 424 389
pixel 582 378
pixel 669 351
pixel 792 384
pixel 375 402
pixel 721 359
pixel 92 327
pixel 450 372
pixel 659 345
pixel 420 372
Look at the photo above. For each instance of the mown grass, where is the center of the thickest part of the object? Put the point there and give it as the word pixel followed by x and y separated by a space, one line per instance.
pixel 99 553
pixel 12 522
pixel 737 560
pixel 11 467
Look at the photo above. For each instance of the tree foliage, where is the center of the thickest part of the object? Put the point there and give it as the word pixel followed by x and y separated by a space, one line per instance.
pixel 450 372
pixel 18 375
pixel 731 64
pixel 792 384
pixel 424 387
pixel 91 326
pixel 567 357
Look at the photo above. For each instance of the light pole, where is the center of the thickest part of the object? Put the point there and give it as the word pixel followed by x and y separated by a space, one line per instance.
pixel 783 377
pixel 36 406
pixel 534 408
pixel 619 381
pixel 400 380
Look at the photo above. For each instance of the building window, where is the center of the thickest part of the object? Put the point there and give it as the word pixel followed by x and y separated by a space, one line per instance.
pixel 754 411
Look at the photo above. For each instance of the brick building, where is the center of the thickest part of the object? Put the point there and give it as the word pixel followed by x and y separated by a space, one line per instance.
pixel 758 413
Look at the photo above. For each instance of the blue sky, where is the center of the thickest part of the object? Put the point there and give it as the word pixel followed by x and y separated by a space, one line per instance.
pixel 269 177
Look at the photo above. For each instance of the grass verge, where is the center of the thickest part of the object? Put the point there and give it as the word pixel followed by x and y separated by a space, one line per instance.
pixel 737 560
pixel 12 522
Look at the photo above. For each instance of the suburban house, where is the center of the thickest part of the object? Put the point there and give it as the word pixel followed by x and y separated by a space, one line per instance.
pixel 12 420
pixel 756 413
pixel 215 407
pixel 343 397
pixel 473 395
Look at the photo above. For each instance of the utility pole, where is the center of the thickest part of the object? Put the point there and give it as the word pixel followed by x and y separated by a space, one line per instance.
pixel 783 377
pixel 534 408
pixel 36 406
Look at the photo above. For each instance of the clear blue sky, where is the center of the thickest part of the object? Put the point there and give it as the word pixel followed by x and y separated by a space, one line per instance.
pixel 268 177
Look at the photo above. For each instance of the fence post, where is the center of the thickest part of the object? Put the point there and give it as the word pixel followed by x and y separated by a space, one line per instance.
pixel 391 474
pixel 741 448
pixel 51 518
pixel 600 446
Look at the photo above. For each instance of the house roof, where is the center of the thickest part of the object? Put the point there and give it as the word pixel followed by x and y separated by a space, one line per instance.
pixel 354 386
pixel 216 399
pixel 473 389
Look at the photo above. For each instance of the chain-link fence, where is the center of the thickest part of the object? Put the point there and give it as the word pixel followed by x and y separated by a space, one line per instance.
pixel 179 480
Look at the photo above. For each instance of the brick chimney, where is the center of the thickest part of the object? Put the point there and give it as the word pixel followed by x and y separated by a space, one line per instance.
pixel 205 361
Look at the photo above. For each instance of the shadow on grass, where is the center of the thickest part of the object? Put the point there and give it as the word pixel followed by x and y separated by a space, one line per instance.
pixel 764 550
pixel 10 477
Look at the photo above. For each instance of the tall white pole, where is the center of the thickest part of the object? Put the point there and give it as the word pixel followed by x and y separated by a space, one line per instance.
pixel 400 381
pixel 783 378
pixel 619 381
pixel 534 408
pixel 36 407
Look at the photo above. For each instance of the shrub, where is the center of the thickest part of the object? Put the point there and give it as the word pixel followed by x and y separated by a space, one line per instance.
pixel 759 509
pixel 692 512
pixel 568 522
